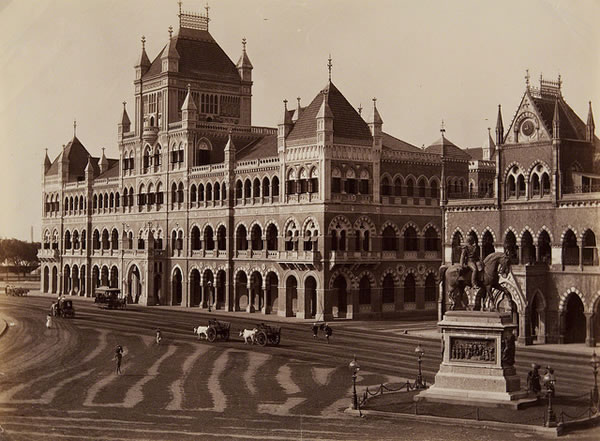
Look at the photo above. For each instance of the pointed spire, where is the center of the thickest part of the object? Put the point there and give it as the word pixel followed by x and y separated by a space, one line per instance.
pixel 375 117
pixel 499 127
pixel 244 61
pixel 556 121
pixel 230 146
pixel 298 111
pixel 89 168
pixel 188 103
pixel 170 32
pixel 47 162
pixel 590 127
pixel 287 115
pixel 125 118
pixel 144 61
pixel 325 110
pixel 74 128
pixel 489 147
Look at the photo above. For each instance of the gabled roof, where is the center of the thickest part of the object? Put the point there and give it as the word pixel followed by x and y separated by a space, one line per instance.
pixel 347 123
pixel 77 155
pixel 265 147
pixel 571 126
pixel 451 150
pixel 393 143
pixel 199 56
pixel 475 153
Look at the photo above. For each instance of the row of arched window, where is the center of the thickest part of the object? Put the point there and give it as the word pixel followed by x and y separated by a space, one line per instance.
pixel 516 186
pixel 302 181
pixel 407 187
pixel 254 189
pixel 527 251
pixel 350 182
pixel 210 192
pixel 390 239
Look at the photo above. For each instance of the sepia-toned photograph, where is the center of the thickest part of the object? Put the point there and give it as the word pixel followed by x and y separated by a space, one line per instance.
pixel 298 220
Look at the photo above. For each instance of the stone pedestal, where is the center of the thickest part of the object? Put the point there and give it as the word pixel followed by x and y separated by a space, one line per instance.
pixel 478 363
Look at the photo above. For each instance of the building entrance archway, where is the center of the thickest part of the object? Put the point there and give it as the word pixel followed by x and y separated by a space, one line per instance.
pixel 574 320
pixel 340 297
pixel 291 296
pixel 134 286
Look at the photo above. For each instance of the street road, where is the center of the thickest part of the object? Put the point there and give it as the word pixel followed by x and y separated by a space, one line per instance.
pixel 60 383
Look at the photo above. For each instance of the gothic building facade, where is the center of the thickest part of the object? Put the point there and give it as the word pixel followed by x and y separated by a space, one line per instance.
pixel 324 216
pixel 544 210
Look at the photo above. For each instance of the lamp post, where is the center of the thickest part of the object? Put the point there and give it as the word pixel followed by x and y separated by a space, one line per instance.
pixel 419 383
pixel 595 362
pixel 549 381
pixel 354 368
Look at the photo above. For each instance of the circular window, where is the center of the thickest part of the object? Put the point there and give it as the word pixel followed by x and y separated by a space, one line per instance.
pixel 527 127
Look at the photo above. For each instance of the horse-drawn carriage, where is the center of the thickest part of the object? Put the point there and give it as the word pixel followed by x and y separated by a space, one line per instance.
pixel 111 297
pixel 15 291
pixel 63 308
pixel 267 334
pixel 217 328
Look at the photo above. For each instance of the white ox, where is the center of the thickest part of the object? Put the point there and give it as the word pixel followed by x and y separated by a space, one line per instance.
pixel 249 334
pixel 201 331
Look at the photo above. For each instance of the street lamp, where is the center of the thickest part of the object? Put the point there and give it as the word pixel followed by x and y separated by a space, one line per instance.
pixel 354 368
pixel 549 381
pixel 419 383
pixel 595 362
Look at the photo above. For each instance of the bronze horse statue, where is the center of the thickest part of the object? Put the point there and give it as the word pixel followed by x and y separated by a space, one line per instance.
pixel 454 279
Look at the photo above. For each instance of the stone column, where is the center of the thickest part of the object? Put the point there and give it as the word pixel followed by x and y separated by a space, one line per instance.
pixel 266 309
pixel 250 290
pixel 590 337
pixel 229 291
pixel 281 300
pixel 301 302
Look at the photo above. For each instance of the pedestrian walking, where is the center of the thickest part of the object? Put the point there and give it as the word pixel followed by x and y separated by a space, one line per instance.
pixel 158 336
pixel 328 331
pixel 315 330
pixel 119 357
pixel 49 321
pixel 533 379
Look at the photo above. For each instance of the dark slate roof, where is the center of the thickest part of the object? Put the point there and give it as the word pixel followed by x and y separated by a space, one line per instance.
pixel 77 155
pixel 200 57
pixel 571 126
pixel 451 150
pixel 393 143
pixel 265 147
pixel 475 153
pixel 112 171
pixel 347 123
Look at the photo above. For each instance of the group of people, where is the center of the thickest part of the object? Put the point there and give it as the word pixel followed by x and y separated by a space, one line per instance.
pixel 323 327
pixel 534 380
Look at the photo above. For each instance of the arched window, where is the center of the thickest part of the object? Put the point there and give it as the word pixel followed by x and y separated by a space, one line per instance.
pixel 239 190
pixel 160 198
pixel 457 240
pixel 272 237
pixel 256 238
pixel 114 242
pixel 589 252
pixel 570 249
pixel 527 249
pixel 174 193
pixel 195 238
pixel 67 240
pixel 385 186
pixel 432 241
pixel 217 191
pixel 209 241
pixel 545 184
pixel 313 181
pixel 241 238
pixel 364 291
pixel 544 247
pixel 430 288
pixel 275 186
pixel 434 191
pixel 511 187
pixel 388 289
pixel 156 160
pixel 200 192
pixel 510 247
pixel 180 193
pixel 421 187
pixel 535 185
pixel 105 240
pixel 222 238
pixel 117 200
pixel 75 240
pixel 410 187
pixel 521 186
pixel 193 194
pixel 336 180
pixel 150 196
pixel 411 242
pixel 256 188
pixel 389 239
pixel 397 187
pixel 247 189
pixel 487 244
pixel 410 290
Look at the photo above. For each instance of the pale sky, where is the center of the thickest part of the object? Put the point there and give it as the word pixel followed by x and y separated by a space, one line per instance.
pixel 424 61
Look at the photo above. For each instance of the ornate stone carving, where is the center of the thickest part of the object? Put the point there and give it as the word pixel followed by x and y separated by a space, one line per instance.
pixel 473 350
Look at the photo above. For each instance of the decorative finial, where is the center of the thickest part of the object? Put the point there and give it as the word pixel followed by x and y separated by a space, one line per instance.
pixel 443 128
pixel 298 99
pixel 374 101
pixel 207 8
pixel 285 104
pixel 180 3
pixel 360 109
pixel 170 31
pixel 102 151
pixel 329 65
pixel 46 151
pixel 74 127
pixel 189 86
pixel 143 42
pixel 124 104
pixel 244 44
pixel 527 78
pixel 559 81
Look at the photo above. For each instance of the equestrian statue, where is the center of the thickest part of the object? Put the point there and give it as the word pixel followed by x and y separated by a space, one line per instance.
pixel 484 279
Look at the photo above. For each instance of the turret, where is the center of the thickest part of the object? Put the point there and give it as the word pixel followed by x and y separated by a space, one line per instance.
pixel 245 70
pixel 103 162
pixel 143 64
pixel 499 128
pixel 284 127
pixel 188 110
pixel 489 148
pixel 589 126
pixel 244 65
pixel 89 169
pixel 229 152
pixel 125 124
pixel 375 122
pixel 170 56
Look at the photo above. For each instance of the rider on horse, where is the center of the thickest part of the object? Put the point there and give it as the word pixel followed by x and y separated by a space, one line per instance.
pixel 469 258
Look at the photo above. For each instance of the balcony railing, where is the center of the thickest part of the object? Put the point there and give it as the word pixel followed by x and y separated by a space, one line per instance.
pixel 471 195
pixel 577 189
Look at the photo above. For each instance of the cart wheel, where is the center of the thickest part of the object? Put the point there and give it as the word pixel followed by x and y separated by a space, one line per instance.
pixel 211 335
pixel 261 339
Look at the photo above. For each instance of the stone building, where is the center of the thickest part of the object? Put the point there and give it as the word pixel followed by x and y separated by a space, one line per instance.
pixel 323 216
pixel 543 209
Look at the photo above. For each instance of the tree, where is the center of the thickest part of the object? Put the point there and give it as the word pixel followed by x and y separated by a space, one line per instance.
pixel 22 256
